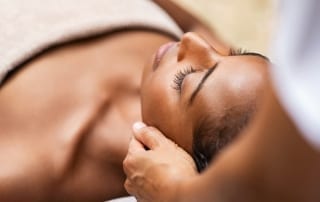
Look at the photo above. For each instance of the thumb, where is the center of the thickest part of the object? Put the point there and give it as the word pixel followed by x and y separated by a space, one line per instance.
pixel 148 136
pixel 135 146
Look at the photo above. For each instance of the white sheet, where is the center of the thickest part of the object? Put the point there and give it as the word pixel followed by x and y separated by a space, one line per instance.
pixel 124 199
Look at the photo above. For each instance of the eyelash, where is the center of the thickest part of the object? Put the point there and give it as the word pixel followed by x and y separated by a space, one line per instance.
pixel 179 77
pixel 181 74
pixel 237 51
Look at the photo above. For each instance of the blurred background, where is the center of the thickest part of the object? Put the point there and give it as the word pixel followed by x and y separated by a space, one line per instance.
pixel 246 24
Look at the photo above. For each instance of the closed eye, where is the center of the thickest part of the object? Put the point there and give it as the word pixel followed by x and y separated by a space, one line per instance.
pixel 180 76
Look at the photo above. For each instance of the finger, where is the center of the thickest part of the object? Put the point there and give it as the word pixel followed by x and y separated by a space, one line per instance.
pixel 135 146
pixel 131 189
pixel 128 165
pixel 128 187
pixel 134 157
pixel 148 136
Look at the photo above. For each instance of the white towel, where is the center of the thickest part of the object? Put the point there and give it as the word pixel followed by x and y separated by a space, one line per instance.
pixel 29 27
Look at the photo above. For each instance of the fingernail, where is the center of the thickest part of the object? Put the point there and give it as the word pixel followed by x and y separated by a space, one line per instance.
pixel 138 125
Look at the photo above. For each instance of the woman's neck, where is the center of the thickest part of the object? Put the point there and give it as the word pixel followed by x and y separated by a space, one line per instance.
pixel 83 98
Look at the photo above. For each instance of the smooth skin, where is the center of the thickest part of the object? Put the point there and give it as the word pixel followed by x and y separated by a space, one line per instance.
pixel 66 116
pixel 270 162
pixel 232 85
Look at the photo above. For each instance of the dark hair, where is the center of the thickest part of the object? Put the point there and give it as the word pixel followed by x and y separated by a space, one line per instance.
pixel 214 133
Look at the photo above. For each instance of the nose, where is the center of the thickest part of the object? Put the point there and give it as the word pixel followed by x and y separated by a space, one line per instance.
pixel 195 49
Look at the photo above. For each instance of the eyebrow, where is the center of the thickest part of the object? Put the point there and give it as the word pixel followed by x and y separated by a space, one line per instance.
pixel 200 85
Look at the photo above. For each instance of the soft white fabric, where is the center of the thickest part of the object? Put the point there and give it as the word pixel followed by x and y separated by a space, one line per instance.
pixel 29 27
pixel 296 73
pixel 124 199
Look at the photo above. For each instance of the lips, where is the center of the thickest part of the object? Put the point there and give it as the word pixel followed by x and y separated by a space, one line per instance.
pixel 160 53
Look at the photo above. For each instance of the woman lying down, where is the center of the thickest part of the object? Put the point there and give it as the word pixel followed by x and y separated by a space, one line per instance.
pixel 199 98
pixel 70 98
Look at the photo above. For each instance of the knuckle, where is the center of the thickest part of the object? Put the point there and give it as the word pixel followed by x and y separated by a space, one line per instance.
pixel 130 151
pixel 127 186
pixel 127 162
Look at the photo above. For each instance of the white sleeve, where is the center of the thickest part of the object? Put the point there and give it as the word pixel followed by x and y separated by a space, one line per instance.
pixel 296 73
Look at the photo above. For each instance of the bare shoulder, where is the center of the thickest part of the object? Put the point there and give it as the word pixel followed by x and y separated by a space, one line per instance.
pixel 66 117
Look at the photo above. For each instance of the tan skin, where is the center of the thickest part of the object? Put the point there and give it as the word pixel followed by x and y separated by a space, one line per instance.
pixel 66 116
pixel 68 113
pixel 269 162
pixel 235 81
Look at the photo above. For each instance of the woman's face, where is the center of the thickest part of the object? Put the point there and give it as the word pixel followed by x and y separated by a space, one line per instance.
pixel 189 81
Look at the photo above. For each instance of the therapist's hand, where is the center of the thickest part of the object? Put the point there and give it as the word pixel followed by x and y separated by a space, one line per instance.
pixel 155 174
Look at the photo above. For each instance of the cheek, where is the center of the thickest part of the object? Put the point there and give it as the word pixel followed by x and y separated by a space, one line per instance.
pixel 160 104
pixel 146 71
pixel 155 100
pixel 160 109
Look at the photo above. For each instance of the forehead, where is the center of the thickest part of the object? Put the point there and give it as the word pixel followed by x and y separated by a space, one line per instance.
pixel 252 62
pixel 238 71
pixel 236 81
pixel 227 86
